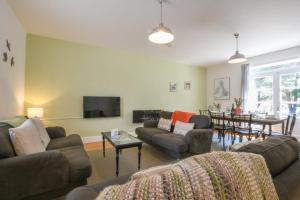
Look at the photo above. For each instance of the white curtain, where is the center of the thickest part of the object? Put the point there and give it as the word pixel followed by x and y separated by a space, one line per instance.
pixel 245 86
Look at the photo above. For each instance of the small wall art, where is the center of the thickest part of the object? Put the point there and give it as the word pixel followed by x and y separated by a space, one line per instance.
pixel 7 54
pixel 222 88
pixel 187 85
pixel 172 87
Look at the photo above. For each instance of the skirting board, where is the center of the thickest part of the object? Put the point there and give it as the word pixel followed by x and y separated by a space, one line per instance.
pixel 91 139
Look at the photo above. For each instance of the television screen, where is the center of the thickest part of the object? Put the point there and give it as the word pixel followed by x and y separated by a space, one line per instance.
pixel 101 107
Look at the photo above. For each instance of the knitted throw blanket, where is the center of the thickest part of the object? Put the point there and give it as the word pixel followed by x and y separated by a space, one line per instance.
pixel 217 175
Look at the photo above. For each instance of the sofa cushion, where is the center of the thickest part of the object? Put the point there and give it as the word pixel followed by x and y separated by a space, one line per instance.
pixel 68 141
pixel 278 151
pixel 200 121
pixel 42 131
pixel 287 183
pixel 6 148
pixel 165 114
pixel 181 116
pixel 26 139
pixel 146 134
pixel 182 128
pixel 80 167
pixel 172 142
pixel 237 146
pixel 164 124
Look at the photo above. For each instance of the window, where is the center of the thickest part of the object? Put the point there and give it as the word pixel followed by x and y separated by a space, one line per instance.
pixel 275 88
pixel 290 93
pixel 264 93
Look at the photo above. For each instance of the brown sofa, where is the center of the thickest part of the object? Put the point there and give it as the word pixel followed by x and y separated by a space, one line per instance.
pixel 281 155
pixel 196 141
pixel 47 175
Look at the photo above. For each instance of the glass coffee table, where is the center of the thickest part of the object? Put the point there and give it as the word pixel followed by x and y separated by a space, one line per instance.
pixel 124 141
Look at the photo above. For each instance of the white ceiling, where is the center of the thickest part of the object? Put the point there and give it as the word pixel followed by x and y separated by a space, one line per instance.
pixel 203 28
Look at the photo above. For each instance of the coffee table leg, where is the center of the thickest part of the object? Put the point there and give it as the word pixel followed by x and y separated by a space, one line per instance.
pixel 117 162
pixel 282 128
pixel 139 160
pixel 103 145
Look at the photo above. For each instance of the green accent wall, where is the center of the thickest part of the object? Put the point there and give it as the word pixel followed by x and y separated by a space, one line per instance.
pixel 59 73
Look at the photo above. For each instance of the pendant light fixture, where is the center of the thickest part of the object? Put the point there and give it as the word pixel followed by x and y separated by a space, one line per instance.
pixel 161 34
pixel 237 57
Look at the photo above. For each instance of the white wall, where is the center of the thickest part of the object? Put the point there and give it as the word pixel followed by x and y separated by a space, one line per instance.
pixel 234 72
pixel 142 82
pixel 11 78
pixel 220 71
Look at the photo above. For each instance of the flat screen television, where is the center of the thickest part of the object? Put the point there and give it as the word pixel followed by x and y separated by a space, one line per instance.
pixel 94 107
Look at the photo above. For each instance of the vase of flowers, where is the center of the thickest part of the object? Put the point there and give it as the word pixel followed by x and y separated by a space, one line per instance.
pixel 238 103
pixel 217 106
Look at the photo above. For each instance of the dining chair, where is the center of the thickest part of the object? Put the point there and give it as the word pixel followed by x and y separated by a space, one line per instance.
pixel 289 126
pixel 243 127
pixel 220 125
pixel 204 112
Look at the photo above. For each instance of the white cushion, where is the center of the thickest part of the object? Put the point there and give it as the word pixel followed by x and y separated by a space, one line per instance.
pixel 182 128
pixel 26 139
pixel 164 124
pixel 42 131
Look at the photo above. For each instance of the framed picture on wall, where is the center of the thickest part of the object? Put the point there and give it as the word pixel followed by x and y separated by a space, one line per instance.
pixel 172 87
pixel 187 85
pixel 222 88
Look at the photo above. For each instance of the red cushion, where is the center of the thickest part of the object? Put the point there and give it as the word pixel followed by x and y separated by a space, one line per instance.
pixel 181 116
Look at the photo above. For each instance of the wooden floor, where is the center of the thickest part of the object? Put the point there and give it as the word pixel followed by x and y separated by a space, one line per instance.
pixel 96 146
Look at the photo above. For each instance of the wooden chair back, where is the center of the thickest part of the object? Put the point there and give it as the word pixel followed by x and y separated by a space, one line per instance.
pixel 242 121
pixel 218 118
pixel 290 123
pixel 204 112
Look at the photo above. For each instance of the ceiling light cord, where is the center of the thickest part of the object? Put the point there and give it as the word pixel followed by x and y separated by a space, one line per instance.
pixel 236 35
pixel 161 11
pixel 237 56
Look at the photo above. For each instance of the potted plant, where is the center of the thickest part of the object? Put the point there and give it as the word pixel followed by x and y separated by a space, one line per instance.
pixel 238 103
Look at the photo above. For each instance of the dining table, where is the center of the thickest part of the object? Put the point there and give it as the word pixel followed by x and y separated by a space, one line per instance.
pixel 259 120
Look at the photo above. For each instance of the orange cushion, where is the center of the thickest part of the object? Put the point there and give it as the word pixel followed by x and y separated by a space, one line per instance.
pixel 181 116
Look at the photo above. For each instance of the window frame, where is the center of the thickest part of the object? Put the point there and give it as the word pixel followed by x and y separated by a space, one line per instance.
pixel 276 75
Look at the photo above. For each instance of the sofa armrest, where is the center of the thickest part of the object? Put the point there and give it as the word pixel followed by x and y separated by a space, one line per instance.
pixel 150 123
pixel 56 132
pixel 90 192
pixel 23 176
pixel 199 140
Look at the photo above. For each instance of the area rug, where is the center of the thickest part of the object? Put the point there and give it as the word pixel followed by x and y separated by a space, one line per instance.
pixel 104 168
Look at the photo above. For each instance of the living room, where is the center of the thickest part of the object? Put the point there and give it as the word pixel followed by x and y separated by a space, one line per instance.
pixel 60 58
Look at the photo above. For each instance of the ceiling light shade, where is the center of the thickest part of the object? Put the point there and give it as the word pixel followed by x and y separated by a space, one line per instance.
pixel 161 35
pixel 237 57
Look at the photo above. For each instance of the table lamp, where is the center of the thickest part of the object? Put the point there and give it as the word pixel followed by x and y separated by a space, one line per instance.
pixel 35 112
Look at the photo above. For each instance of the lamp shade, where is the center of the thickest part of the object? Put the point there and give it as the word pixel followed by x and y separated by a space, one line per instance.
pixel 35 112
pixel 161 35
pixel 237 58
